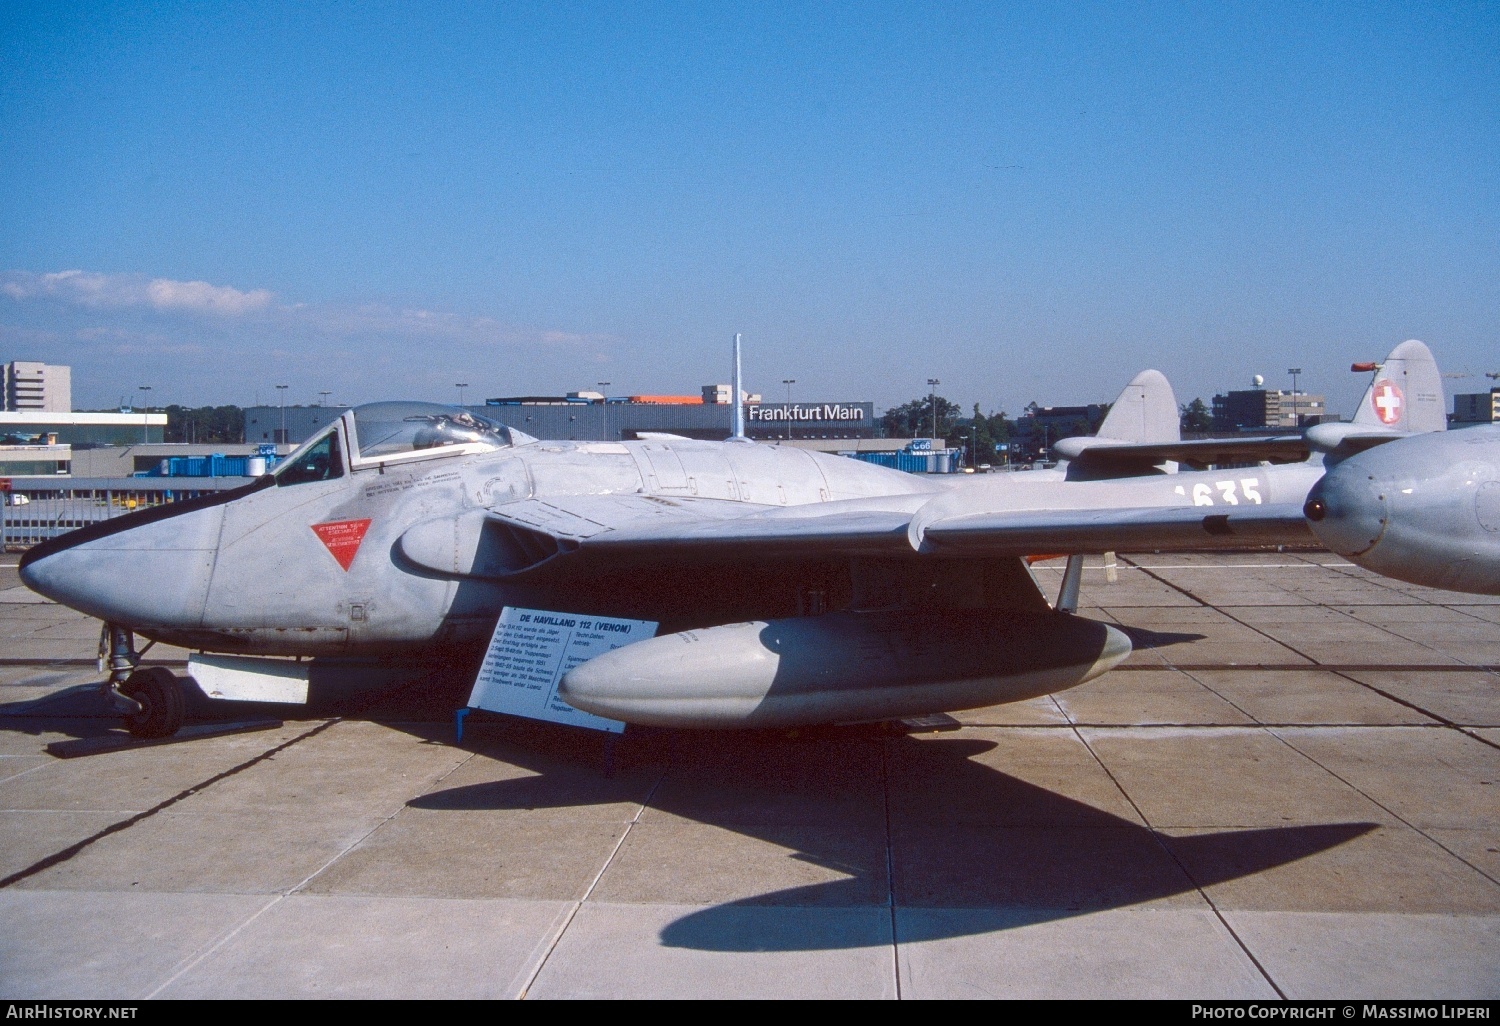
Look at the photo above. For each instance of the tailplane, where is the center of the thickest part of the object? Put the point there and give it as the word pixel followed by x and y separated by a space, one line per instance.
pixel 1142 420
pixel 1406 393
pixel 1145 412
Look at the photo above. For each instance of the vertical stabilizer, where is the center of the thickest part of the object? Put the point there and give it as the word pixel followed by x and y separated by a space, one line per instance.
pixel 739 394
pixel 1145 412
pixel 1407 393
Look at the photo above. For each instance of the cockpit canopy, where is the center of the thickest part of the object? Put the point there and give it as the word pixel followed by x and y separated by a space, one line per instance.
pixel 389 429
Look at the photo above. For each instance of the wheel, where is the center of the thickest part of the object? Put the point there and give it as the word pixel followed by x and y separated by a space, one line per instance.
pixel 162 705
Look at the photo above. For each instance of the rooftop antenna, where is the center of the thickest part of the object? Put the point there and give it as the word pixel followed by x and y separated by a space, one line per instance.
pixel 739 402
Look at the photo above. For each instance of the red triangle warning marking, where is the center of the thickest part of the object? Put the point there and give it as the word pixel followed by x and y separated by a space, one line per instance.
pixel 342 537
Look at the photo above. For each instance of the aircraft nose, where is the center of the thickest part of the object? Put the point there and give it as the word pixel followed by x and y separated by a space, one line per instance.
pixel 142 570
pixel 1347 510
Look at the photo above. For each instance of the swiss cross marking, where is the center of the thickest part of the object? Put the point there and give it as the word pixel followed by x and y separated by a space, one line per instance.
pixel 1387 400
pixel 342 538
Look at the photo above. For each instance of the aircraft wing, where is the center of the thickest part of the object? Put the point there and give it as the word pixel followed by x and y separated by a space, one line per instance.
pixel 959 524
pixel 521 537
pixel 846 532
pixel 998 533
pixel 701 527
pixel 1152 528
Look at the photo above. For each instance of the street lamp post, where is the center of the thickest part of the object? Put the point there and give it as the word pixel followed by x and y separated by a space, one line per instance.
pixel 145 413
pixel 602 386
pixel 281 392
pixel 1294 371
pixel 461 385
pixel 788 382
pixel 932 384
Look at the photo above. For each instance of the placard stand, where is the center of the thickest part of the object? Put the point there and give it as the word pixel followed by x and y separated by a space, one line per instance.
pixel 530 651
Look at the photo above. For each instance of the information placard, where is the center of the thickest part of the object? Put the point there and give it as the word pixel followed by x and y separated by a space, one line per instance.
pixel 530 651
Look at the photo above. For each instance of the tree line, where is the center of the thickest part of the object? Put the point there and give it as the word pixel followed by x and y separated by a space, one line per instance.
pixel 978 432
pixel 208 425
pixel 979 436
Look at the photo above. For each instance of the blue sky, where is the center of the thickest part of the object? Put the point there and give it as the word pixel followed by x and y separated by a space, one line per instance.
pixel 1026 201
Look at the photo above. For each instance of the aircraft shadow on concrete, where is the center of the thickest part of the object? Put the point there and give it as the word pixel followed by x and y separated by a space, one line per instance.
pixel 987 850
pixel 1144 637
pixel 79 711
pixel 362 690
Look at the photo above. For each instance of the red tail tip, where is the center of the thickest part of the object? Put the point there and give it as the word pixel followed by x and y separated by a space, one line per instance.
pixel 1358 367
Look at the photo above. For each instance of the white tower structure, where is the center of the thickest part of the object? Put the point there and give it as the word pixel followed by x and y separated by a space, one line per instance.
pixel 28 387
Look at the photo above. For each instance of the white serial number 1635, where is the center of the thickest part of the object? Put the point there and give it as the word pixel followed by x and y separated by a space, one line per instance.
pixel 1203 494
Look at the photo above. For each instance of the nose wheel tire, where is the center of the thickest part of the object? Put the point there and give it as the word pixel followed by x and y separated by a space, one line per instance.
pixel 162 705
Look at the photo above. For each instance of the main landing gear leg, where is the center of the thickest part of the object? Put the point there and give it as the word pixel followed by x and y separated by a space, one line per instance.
pixel 151 699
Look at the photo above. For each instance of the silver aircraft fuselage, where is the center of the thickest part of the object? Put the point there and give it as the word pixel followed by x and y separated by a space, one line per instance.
pixel 789 587
pixel 261 570
pixel 380 557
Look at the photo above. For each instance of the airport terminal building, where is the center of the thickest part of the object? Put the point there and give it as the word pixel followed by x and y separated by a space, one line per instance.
pixel 585 416
pixel 38 442
pixel 613 419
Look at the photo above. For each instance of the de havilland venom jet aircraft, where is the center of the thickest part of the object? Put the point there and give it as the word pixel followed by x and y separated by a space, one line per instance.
pixel 791 587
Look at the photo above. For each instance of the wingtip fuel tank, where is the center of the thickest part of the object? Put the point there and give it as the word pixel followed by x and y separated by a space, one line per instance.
pixel 1423 509
pixel 842 667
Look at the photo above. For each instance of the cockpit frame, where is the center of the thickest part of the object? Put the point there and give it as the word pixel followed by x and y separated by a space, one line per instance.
pixel 347 429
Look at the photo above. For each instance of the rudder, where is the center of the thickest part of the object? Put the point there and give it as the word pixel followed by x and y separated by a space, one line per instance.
pixel 1145 412
pixel 1407 393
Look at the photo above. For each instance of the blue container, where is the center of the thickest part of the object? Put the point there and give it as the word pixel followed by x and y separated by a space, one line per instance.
pixel 910 462
pixel 216 465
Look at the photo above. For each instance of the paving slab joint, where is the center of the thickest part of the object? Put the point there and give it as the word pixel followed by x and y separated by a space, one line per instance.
pixel 1167 850
pixel 57 858
pixel 573 912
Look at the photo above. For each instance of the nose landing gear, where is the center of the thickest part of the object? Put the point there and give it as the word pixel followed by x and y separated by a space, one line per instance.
pixel 151 698
pixel 159 696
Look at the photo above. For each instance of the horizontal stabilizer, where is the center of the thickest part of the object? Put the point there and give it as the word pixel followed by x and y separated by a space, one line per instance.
pixel 1197 453
pixel 1143 416
pixel 1344 440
